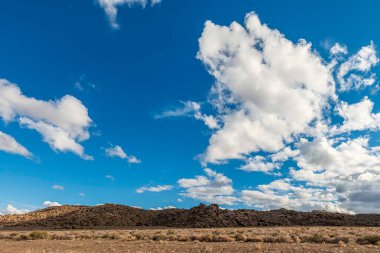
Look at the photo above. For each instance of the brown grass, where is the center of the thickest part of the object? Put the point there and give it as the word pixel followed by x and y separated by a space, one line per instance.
pixel 341 236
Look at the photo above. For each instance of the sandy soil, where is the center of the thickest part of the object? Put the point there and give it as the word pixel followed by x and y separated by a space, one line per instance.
pixel 48 246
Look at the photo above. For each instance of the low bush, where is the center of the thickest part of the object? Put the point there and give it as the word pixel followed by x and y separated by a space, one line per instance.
pixel 38 235
pixel 369 239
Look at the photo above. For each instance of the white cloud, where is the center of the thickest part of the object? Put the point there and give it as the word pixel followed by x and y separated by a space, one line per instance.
pixel 51 203
pixel 58 187
pixel 345 167
pixel 284 155
pixel 274 101
pixel 110 177
pixel 156 2
pixel 117 151
pixel 110 7
pixel 358 116
pixel 191 109
pixel 332 174
pixel 275 88
pixel 10 145
pixel 338 50
pixel 83 85
pixel 281 194
pixel 57 138
pixel 158 188
pixel 212 188
pixel 363 61
pixel 259 164
pixel 13 210
pixel 162 208
pixel 188 109
pixel 63 123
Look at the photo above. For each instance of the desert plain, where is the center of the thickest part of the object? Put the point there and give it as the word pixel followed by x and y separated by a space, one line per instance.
pixel 199 240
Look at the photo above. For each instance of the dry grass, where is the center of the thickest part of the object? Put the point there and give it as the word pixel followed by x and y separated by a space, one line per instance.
pixel 316 235
pixel 237 240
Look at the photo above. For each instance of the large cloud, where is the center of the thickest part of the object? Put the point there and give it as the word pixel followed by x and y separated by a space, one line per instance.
pixel 347 167
pixel 279 112
pixel 282 194
pixel 277 88
pixel 63 123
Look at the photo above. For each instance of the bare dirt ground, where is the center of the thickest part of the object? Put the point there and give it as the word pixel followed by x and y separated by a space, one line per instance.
pixel 236 240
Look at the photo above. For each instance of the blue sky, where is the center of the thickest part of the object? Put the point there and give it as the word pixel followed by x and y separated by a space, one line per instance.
pixel 124 110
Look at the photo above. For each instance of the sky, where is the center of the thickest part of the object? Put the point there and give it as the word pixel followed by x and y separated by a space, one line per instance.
pixel 259 104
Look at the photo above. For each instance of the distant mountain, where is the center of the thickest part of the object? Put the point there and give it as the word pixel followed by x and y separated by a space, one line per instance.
pixel 202 216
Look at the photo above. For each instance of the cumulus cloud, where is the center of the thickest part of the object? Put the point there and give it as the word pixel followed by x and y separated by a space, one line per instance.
pixel 110 8
pixel 57 138
pixel 259 164
pixel 358 116
pixel 158 188
pixel 260 70
pixel 362 62
pixel 117 151
pixel 62 123
pixel 276 101
pixel 10 209
pixel 212 188
pixel 282 194
pixel 51 203
pixel 10 145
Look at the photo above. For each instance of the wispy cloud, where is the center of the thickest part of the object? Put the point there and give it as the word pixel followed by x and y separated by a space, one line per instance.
pixel 110 8
pixel 58 187
pixel 110 177
pixel 158 188
pixel 190 109
pixel 117 151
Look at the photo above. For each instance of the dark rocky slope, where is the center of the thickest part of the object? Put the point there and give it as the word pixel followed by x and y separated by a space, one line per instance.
pixel 202 216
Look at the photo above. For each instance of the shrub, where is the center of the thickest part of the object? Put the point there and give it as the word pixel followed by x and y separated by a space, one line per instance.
pixel 23 237
pixel 253 239
pixel 158 237
pixel 221 238
pixel 35 235
pixel 369 239
pixel 62 237
pixel 337 240
pixel 278 239
pixel 110 236
pixel 240 237
pixel 316 238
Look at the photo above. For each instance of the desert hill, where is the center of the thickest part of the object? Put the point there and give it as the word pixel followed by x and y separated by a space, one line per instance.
pixel 202 216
